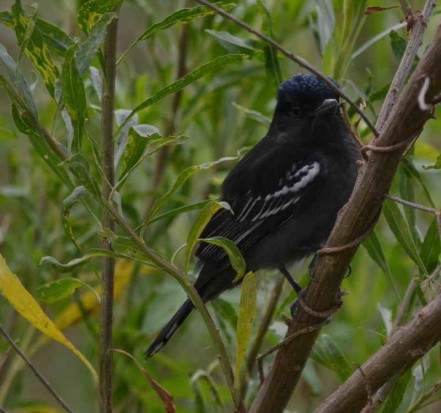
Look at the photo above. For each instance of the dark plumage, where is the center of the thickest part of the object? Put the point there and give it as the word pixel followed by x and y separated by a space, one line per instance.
pixel 285 193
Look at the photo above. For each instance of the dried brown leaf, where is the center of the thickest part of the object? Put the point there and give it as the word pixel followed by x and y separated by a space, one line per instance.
pixel 165 396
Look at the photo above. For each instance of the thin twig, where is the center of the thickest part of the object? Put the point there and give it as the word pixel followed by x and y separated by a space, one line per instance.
pixel 34 369
pixel 108 270
pixel 300 61
pixel 413 205
pixel 284 342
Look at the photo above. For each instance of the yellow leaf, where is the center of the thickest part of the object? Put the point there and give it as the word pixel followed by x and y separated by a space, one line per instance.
pixel 23 302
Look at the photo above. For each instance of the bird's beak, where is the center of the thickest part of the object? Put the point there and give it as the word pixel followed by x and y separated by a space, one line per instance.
pixel 328 107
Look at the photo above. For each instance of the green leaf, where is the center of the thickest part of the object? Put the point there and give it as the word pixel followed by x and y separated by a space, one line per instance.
pixel 410 168
pixel 182 178
pixel 247 312
pixel 153 145
pixel 183 16
pixel 325 22
pixel 431 248
pixel 57 40
pixel 202 377
pixel 234 44
pixel 327 353
pixel 227 311
pixel 80 166
pixel 61 289
pixel 184 81
pixel 26 124
pixel 74 97
pixel 87 49
pixel 236 259
pixel 272 63
pixel 79 193
pixel 124 250
pixel 18 87
pixel 406 188
pixel 69 266
pixel 32 42
pixel 136 144
pixel 198 226
pixel 398 44
pixel 401 230
pixel 91 11
pixel 397 393
pixel 180 210
pixel 253 114
pixel 375 251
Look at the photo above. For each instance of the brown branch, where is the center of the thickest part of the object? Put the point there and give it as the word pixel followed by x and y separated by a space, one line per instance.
pixel 374 180
pixel 416 38
pixel 409 344
pixel 300 61
pixel 108 269
pixel 35 371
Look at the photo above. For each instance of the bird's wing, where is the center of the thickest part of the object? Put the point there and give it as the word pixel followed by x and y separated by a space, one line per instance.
pixel 263 201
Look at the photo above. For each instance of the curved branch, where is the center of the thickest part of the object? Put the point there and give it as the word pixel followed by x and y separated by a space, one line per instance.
pixel 354 220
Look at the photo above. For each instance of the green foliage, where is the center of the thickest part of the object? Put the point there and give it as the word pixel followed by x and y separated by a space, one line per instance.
pixel 193 93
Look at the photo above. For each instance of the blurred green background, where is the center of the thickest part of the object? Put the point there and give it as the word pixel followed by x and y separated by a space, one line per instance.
pixel 222 114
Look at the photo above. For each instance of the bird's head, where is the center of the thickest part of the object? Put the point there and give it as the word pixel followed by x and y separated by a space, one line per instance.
pixel 305 100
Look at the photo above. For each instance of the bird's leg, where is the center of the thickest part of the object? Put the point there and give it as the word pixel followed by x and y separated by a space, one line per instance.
pixel 288 276
pixel 294 285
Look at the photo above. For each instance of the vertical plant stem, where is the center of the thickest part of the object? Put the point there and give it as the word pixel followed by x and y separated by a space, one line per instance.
pixel 106 368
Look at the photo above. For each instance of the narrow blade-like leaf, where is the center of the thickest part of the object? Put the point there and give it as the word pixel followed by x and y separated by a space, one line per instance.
pixel 236 259
pixel 247 312
pixel 74 97
pixel 24 303
pixel 401 230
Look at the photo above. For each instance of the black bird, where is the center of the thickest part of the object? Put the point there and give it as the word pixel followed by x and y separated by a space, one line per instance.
pixel 285 193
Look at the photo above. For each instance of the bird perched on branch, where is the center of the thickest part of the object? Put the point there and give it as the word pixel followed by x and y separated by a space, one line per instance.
pixel 284 194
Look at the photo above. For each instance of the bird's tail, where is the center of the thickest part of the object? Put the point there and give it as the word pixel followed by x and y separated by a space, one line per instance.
pixel 170 328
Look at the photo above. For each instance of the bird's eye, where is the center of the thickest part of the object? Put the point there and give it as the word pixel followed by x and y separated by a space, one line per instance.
pixel 296 110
